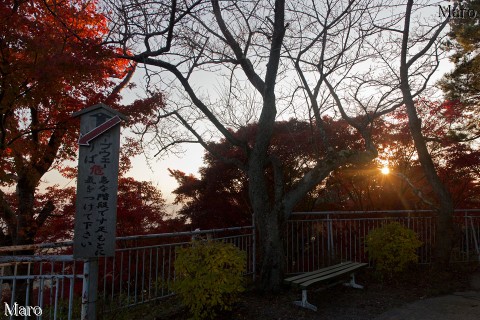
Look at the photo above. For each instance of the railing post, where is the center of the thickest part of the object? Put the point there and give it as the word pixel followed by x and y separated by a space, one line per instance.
pixel 89 290
pixel 467 241
pixel 330 245
pixel 254 249
pixel 476 243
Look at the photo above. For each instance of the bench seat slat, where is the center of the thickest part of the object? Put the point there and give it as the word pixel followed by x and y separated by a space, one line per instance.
pixel 332 275
pixel 304 280
pixel 326 270
pixel 328 274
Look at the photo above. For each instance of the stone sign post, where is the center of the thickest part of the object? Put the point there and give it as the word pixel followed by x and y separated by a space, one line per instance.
pixel 97 185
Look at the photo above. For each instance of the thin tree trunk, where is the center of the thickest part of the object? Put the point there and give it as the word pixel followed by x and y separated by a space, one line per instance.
pixel 444 231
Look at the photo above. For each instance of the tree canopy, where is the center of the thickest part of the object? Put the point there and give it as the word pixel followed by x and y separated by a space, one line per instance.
pixel 53 61
pixel 463 83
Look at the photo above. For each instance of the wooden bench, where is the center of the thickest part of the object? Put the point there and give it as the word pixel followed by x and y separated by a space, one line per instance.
pixel 327 274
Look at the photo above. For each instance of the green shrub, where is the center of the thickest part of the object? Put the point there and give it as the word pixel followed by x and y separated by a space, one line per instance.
pixel 392 247
pixel 209 277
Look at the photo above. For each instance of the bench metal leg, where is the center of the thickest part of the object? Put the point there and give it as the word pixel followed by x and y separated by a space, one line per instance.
pixel 352 282
pixel 304 303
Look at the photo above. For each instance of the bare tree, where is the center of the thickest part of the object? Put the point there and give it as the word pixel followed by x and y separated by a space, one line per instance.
pixel 410 51
pixel 273 59
pixel 444 206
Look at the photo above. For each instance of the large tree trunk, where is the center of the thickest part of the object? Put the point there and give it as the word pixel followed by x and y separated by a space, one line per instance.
pixel 269 220
pixel 25 225
pixel 270 228
pixel 24 231
pixel 444 234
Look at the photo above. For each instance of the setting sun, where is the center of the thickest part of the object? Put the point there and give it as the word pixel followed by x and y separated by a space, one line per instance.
pixel 385 170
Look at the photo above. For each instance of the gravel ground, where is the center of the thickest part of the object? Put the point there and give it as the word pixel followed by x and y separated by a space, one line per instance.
pixel 338 302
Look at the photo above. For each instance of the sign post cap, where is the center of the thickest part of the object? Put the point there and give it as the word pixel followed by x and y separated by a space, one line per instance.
pixel 99 106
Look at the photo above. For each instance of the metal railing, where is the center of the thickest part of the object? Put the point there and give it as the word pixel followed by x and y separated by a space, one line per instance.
pixel 142 270
pixel 318 239
pixel 143 267
pixel 47 282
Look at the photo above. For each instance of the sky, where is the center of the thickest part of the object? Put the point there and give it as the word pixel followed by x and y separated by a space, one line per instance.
pixel 189 162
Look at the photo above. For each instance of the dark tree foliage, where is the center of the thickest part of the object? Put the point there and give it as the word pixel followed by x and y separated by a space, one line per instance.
pixel 140 210
pixel 463 83
pixel 219 197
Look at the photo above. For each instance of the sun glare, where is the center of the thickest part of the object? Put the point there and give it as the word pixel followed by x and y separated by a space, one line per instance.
pixel 385 170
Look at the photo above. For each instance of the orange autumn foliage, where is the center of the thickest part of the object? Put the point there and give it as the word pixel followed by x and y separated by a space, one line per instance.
pixel 53 62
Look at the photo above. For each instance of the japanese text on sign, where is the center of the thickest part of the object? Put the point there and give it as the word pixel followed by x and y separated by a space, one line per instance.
pixel 97 184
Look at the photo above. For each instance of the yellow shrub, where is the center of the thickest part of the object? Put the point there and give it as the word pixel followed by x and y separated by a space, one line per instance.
pixel 392 247
pixel 209 277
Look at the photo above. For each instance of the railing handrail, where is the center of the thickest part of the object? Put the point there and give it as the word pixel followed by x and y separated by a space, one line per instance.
pixel 39 258
pixel 51 245
pixel 182 233
pixel 375 212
